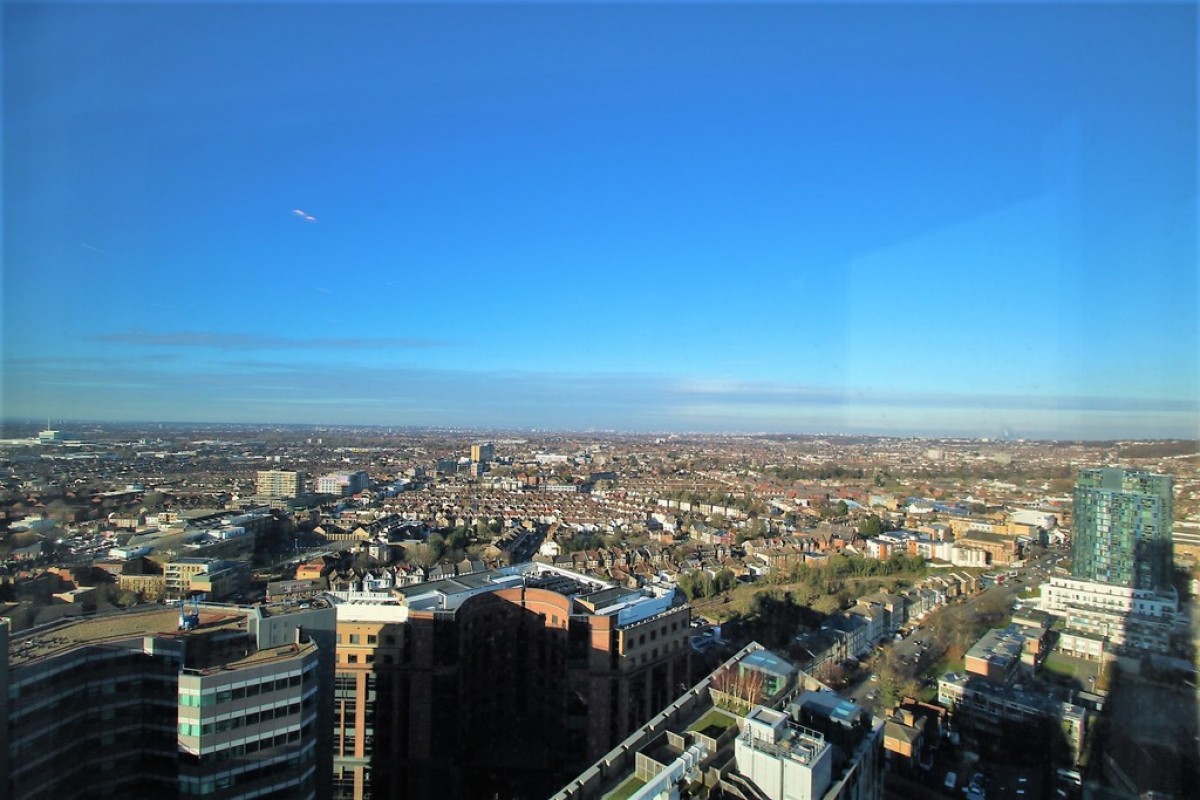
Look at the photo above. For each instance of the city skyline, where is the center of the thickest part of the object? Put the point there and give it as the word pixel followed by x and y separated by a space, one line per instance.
pixel 958 220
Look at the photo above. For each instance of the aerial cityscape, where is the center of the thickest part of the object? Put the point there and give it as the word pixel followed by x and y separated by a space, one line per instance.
pixel 594 401
pixel 304 611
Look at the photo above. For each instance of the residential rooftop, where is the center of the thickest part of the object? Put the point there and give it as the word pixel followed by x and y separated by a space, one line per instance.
pixel 590 595
pixel 829 704
pixel 786 740
pixel 767 661
pixel 1001 646
pixel 1036 700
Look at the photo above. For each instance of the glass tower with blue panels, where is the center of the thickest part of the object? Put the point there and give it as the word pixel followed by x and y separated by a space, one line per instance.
pixel 1123 525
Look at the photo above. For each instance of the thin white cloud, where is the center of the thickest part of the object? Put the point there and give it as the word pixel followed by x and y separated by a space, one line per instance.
pixel 315 391
pixel 218 340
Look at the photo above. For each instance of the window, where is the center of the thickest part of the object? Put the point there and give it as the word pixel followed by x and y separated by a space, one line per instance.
pixel 354 638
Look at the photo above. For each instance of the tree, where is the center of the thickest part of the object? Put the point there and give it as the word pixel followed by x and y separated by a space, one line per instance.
pixel 725 580
pixel 738 690
pixel 363 560
pixel 837 566
pixel 754 529
pixel 826 604
pixel 871 526
pixel 427 554
pixel 421 555
pixel 832 673
pixel 583 541
pixel 437 544
pixel 894 677
pixel 459 539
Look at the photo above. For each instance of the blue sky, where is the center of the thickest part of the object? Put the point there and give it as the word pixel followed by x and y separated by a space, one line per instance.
pixel 955 219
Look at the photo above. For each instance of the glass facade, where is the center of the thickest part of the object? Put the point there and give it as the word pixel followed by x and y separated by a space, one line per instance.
pixel 1123 528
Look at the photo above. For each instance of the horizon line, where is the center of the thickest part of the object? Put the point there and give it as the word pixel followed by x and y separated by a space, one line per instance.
pixel 5 421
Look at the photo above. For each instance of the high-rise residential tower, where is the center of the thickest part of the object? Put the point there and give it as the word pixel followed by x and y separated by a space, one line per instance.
pixel 280 483
pixel 1123 528
pixel 1119 596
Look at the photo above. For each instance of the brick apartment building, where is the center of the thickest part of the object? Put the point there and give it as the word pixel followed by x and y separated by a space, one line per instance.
pixel 501 682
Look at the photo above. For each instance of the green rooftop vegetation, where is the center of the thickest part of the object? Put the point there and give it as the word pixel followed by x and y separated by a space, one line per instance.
pixel 626 789
pixel 713 724
pixel 1056 664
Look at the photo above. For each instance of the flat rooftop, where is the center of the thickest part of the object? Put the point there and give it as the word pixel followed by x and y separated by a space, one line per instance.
pixel 795 743
pixel 767 661
pixel 1001 646
pixel 830 705
pixel 72 632
pixel 1041 699
pixel 591 595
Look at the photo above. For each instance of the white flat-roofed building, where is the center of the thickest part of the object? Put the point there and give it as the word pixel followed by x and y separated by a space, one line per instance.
pixel 1137 619
pixel 781 758
pixel 343 483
